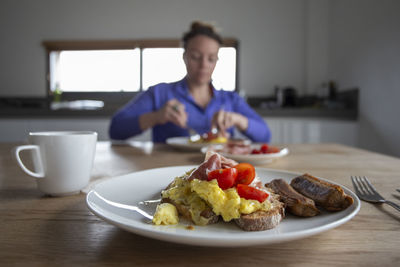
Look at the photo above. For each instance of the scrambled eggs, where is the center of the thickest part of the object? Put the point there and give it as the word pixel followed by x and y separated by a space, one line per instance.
pixel 200 195
pixel 165 214
pixel 216 140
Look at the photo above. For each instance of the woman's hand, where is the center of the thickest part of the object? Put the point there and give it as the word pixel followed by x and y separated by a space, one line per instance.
pixel 223 120
pixel 173 111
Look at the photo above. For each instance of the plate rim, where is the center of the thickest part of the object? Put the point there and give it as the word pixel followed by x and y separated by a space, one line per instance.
pixel 230 241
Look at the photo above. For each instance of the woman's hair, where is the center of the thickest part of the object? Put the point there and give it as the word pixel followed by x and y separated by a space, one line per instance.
pixel 200 28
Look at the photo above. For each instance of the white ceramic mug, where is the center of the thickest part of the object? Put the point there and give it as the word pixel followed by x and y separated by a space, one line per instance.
pixel 62 161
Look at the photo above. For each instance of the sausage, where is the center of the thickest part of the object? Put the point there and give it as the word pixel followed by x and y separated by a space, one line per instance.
pixel 329 196
pixel 296 203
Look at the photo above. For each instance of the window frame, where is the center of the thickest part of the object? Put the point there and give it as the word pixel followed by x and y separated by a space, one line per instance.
pixel 51 46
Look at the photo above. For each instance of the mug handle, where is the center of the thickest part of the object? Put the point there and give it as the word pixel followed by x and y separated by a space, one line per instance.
pixel 36 155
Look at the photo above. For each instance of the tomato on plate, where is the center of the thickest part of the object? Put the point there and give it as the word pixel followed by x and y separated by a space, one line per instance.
pixel 246 173
pixel 264 148
pixel 226 178
pixel 248 192
pixel 209 136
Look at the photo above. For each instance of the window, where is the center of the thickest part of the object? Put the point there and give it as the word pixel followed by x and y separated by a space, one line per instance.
pixel 127 66
pixel 95 70
pixel 166 65
pixel 162 65
pixel 224 75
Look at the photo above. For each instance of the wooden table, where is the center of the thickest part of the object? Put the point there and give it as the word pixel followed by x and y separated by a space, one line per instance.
pixel 40 230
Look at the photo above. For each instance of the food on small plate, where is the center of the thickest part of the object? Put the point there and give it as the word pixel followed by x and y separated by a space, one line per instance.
pixel 222 189
pixel 296 203
pixel 245 148
pixel 329 196
pixel 237 147
pixel 265 149
pixel 209 138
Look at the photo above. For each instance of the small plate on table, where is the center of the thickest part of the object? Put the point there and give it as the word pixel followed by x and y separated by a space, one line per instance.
pixel 249 158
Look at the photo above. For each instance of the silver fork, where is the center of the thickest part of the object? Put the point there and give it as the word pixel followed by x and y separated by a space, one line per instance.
pixel 367 192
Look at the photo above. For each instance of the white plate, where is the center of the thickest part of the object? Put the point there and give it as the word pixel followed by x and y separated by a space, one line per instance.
pixel 144 185
pixel 250 158
pixel 184 144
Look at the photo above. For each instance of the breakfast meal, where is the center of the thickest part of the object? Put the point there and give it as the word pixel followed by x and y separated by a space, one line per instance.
pixel 220 188
pixel 223 189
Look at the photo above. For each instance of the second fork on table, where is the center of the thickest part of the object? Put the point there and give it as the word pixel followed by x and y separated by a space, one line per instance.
pixel 367 192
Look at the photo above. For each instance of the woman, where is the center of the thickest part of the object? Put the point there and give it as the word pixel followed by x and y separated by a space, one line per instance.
pixel 171 109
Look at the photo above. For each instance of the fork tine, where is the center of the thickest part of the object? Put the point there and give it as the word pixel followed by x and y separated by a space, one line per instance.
pixel 371 187
pixel 356 185
pixel 364 185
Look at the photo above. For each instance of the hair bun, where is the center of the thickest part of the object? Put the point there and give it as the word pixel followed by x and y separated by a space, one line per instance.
pixel 201 28
pixel 198 25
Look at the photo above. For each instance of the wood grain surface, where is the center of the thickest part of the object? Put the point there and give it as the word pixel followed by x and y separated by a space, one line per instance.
pixel 39 230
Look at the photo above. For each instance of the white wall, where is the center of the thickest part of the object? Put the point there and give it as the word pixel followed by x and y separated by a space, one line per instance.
pixel 317 44
pixel 271 33
pixel 365 52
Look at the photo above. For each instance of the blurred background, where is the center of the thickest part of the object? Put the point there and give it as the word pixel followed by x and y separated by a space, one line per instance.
pixel 316 70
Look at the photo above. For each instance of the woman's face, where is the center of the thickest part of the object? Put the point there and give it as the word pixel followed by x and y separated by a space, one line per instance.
pixel 201 56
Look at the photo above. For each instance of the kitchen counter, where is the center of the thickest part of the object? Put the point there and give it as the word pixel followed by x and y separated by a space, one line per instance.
pixel 108 110
pixel 345 108
pixel 309 112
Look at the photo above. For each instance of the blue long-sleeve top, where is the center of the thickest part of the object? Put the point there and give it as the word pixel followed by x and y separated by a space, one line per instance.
pixel 125 123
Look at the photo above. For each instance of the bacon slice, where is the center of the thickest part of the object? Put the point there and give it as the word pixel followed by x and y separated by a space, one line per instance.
pixel 225 162
pixel 238 149
pixel 211 163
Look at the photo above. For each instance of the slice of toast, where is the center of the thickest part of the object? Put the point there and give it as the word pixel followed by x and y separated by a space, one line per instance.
pixel 263 220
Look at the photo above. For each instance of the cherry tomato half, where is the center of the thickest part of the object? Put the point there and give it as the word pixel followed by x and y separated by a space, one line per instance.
pixel 246 173
pixel 248 192
pixel 264 148
pixel 226 178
